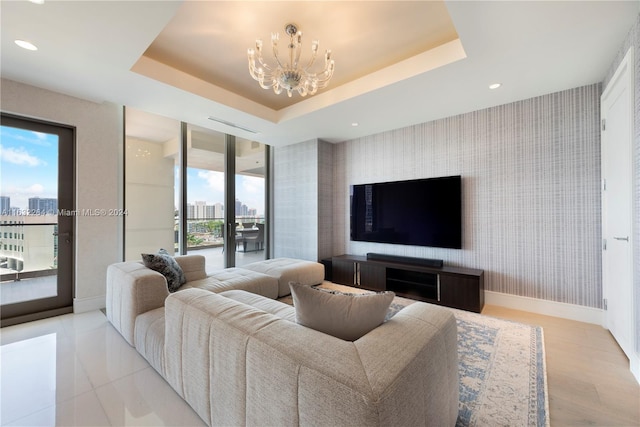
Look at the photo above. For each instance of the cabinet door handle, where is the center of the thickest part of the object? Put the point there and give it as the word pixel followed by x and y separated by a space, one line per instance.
pixel 626 239
pixel 355 273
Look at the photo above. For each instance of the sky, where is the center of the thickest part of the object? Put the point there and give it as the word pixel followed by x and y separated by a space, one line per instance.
pixel 28 165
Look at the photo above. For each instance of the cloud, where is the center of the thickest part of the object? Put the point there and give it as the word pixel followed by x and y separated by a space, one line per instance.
pixel 215 180
pixel 34 189
pixel 28 137
pixel 253 184
pixel 41 137
pixel 20 195
pixel 19 156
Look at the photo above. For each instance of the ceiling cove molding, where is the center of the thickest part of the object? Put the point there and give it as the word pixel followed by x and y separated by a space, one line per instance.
pixel 419 64
pixel 161 72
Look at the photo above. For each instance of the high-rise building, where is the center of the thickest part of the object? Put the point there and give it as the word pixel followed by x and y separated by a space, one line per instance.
pixel 201 210
pixel 5 205
pixel 218 211
pixel 41 206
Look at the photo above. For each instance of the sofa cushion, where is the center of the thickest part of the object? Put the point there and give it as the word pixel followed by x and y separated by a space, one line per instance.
pixel 345 316
pixel 149 337
pixel 280 309
pixel 289 270
pixel 168 267
pixel 237 278
pixel 248 280
pixel 193 266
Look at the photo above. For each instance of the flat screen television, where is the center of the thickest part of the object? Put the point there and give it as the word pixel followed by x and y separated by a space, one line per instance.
pixel 420 212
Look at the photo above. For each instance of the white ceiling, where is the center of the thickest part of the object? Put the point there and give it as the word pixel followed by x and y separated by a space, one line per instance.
pixel 90 49
pixel 225 29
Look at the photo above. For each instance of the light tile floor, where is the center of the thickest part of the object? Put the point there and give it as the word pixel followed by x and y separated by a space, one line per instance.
pixel 77 370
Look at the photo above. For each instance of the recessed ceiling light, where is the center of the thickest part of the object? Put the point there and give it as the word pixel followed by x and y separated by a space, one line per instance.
pixel 495 86
pixel 354 124
pixel 37 1
pixel 26 45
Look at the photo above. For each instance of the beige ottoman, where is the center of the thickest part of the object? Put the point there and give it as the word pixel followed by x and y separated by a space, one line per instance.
pixel 287 270
pixel 238 278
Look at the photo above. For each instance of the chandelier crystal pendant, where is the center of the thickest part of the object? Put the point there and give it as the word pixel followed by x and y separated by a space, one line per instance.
pixel 290 75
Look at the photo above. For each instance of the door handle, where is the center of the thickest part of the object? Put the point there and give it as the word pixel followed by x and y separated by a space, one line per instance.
pixel 626 239
pixel 66 235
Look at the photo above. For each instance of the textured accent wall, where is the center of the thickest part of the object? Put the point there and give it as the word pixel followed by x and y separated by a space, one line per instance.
pixel 633 40
pixel 303 205
pixel 325 199
pixel 531 191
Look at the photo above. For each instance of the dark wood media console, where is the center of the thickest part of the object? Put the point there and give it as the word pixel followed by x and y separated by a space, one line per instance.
pixel 450 286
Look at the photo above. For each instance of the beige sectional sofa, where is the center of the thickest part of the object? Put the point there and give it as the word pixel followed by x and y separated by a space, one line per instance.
pixel 240 358
pixel 133 289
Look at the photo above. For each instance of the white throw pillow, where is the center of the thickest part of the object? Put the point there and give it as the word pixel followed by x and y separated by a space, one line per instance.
pixel 345 316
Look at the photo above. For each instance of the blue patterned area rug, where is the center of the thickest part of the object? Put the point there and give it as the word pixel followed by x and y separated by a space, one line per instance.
pixel 503 376
pixel 503 379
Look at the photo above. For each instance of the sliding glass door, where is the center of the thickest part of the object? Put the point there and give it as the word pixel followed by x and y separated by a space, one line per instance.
pixel 37 219
pixel 194 190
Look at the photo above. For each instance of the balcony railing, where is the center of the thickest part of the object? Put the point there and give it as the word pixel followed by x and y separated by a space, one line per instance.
pixel 28 249
pixel 210 232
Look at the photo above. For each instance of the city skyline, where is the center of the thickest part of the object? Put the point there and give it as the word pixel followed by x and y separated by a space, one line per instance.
pixel 203 210
pixel 208 186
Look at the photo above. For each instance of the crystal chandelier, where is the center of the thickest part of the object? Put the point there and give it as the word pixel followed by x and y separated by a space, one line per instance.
pixel 290 75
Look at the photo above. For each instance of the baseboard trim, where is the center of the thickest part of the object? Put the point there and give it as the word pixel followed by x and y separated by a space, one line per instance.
pixel 634 362
pixel 82 305
pixel 545 307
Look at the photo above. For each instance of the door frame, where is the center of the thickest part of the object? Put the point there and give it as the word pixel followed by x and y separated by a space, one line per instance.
pixel 62 303
pixel 624 75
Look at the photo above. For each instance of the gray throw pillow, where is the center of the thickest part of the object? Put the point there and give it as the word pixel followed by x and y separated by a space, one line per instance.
pixel 168 267
pixel 344 316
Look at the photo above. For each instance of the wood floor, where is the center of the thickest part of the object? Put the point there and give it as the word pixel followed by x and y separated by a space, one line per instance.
pixel 588 375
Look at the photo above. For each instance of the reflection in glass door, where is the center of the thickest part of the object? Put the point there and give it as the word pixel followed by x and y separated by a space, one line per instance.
pixel 36 221
pixel 150 165
pixel 250 187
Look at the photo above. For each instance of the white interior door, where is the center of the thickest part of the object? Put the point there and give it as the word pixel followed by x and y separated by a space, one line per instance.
pixel 617 259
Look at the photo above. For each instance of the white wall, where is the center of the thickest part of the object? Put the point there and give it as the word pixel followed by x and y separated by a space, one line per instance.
pixel 99 136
